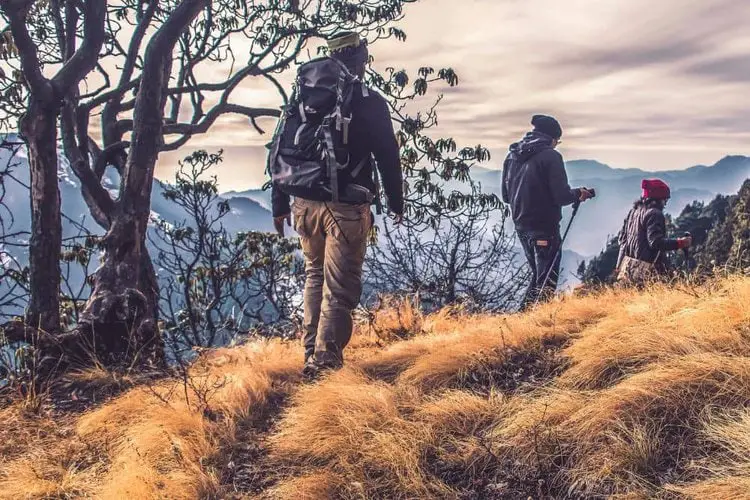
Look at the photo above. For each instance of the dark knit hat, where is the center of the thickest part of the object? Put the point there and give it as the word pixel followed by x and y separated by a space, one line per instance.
pixel 343 40
pixel 547 125
pixel 351 50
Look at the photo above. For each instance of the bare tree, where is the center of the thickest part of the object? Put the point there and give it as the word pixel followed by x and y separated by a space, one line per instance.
pixel 38 125
pixel 76 256
pixel 14 275
pixel 467 259
pixel 159 51
pixel 217 285
pixel 156 86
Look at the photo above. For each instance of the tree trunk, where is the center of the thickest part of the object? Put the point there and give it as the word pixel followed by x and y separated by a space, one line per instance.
pixel 120 318
pixel 39 129
pixel 119 323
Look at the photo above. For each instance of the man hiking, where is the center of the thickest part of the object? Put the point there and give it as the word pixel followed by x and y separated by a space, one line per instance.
pixel 535 185
pixel 322 156
pixel 643 239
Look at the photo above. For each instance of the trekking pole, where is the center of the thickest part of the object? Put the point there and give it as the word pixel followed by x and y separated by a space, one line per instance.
pixel 686 252
pixel 558 255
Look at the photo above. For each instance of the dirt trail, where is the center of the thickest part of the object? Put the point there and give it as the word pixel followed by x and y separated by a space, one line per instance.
pixel 497 368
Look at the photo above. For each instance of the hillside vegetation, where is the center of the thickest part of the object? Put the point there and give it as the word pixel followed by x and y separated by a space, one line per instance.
pixel 619 394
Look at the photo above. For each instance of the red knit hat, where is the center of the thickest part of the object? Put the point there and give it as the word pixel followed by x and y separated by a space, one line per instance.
pixel 655 189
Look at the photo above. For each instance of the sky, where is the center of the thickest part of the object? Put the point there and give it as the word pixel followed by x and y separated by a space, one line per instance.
pixel 652 84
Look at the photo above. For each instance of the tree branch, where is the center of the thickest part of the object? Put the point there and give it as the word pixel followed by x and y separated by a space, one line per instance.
pixel 104 86
pixel 84 59
pixel 220 86
pixel 59 25
pixel 71 25
pixel 112 94
pixel 190 129
pixel 215 112
pixel 149 108
pixel 17 12
pixel 107 155
pixel 96 197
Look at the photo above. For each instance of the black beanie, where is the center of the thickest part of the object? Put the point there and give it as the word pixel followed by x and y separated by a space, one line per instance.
pixel 350 49
pixel 547 125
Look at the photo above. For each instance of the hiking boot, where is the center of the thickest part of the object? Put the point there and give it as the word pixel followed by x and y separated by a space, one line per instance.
pixel 326 360
pixel 310 371
pixel 330 367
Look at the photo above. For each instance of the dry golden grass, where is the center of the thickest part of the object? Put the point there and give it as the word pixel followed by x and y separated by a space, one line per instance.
pixel 619 394
pixel 622 412
pixel 159 441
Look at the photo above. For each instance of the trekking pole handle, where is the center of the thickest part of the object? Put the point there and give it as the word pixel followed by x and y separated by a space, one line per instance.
pixel 578 202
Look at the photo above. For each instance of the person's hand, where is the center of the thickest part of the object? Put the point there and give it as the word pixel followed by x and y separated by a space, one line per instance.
pixel 685 242
pixel 585 194
pixel 278 223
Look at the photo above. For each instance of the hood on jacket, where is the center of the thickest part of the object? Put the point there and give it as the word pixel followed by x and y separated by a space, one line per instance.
pixel 533 143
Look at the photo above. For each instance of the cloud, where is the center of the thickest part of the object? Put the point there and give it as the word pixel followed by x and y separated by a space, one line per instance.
pixel 725 69
pixel 243 166
pixel 630 79
pixel 636 83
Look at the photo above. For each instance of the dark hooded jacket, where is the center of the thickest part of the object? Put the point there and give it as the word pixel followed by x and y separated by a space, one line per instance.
pixel 644 235
pixel 371 136
pixel 535 184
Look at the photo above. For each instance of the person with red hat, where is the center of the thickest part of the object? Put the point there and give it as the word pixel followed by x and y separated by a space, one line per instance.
pixel 643 239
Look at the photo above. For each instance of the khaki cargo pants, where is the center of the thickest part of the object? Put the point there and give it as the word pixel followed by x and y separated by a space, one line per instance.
pixel 334 242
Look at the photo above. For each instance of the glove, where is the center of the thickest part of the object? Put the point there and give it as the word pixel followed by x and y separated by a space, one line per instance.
pixel 585 194
pixel 685 242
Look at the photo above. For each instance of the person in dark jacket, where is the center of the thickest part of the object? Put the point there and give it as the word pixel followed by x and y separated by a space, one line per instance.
pixel 535 185
pixel 334 234
pixel 643 239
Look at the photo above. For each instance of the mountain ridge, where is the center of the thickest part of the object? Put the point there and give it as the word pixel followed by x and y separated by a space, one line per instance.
pixel 599 218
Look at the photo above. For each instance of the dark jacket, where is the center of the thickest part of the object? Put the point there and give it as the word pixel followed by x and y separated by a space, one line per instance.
pixel 370 134
pixel 535 184
pixel 644 235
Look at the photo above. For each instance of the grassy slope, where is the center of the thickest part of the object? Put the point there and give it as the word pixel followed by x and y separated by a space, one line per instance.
pixel 633 395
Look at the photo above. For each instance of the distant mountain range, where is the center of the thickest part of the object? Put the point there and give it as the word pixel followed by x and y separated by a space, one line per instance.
pixel 259 196
pixel 245 214
pixel 616 190
pixel 603 216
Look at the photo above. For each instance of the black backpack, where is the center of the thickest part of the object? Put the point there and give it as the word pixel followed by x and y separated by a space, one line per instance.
pixel 310 149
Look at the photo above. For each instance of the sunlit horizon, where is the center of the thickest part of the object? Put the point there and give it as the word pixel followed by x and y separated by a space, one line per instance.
pixel 635 83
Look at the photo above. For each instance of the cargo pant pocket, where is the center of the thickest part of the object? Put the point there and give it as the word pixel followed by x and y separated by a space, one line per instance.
pixel 299 220
pixel 349 225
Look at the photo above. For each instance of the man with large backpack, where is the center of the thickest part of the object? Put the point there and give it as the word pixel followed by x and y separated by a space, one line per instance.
pixel 643 239
pixel 322 155
pixel 535 185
